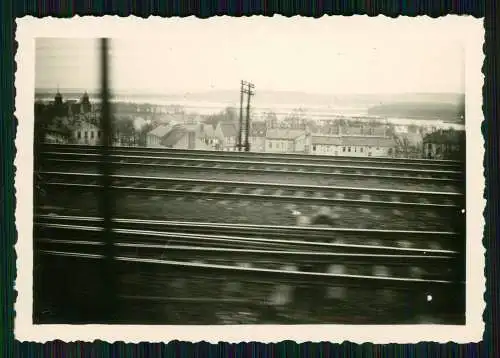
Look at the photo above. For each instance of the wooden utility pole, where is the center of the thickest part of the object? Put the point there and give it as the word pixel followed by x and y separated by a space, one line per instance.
pixel 246 88
pixel 240 134
pixel 250 93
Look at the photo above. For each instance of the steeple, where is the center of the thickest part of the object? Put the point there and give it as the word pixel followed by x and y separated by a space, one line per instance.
pixel 58 97
pixel 85 103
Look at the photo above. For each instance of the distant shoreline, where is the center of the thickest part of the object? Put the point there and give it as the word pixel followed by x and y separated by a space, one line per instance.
pixel 314 111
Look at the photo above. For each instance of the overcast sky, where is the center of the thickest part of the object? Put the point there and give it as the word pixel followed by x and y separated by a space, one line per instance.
pixel 316 57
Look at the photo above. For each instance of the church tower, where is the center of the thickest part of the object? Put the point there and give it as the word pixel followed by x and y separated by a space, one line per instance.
pixel 58 104
pixel 85 106
pixel 58 100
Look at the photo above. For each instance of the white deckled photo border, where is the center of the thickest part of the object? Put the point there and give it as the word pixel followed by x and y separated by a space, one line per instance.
pixel 464 28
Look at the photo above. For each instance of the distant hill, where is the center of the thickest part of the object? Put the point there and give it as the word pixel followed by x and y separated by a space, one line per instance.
pixel 383 104
pixel 426 110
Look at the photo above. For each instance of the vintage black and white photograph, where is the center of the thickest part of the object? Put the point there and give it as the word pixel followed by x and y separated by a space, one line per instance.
pixel 264 171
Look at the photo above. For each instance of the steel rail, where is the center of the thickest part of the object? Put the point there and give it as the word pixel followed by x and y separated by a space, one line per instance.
pixel 272 238
pixel 258 188
pixel 252 197
pixel 215 252
pixel 188 159
pixel 196 181
pixel 368 262
pixel 271 156
pixel 90 166
pixel 292 277
pixel 247 228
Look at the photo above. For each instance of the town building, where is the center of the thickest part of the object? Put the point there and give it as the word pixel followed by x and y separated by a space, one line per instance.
pixel 86 133
pixel 409 145
pixel 155 137
pixel 194 137
pixel 444 144
pixel 55 136
pixel 178 138
pixel 350 146
pixel 284 140
pixel 227 136
pixel 207 135
pixel 257 136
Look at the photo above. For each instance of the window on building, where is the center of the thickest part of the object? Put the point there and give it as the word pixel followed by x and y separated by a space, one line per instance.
pixel 343 149
pixel 79 135
pixel 355 149
pixel 92 134
pixel 349 149
pixel 86 135
pixel 270 144
pixel 361 149
pixel 98 134
pixel 314 148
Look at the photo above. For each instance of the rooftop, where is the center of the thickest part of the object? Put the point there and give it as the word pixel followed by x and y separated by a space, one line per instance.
pixel 228 129
pixel 258 129
pixel 445 136
pixel 174 136
pixel 206 130
pixel 161 131
pixel 348 140
pixel 326 140
pixel 372 141
pixel 284 133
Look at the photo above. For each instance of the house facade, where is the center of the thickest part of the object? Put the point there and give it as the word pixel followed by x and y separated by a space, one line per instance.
pixel 154 138
pixel 350 146
pixel 257 136
pixel 86 133
pixel 226 134
pixel 363 146
pixel 194 137
pixel 444 144
pixel 206 135
pixel 283 140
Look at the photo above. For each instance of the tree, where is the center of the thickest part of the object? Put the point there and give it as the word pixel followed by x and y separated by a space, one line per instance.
pixel 48 120
pixel 390 130
pixel 296 119
pixel 125 126
pixel 145 129
pixel 229 114
pixel 402 145
pixel 226 115
pixel 125 130
pixel 412 128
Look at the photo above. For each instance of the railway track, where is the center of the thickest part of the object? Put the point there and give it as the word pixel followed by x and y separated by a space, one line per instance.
pixel 366 174
pixel 350 240
pixel 162 291
pixel 294 274
pixel 173 269
pixel 250 202
pixel 453 165
pixel 268 248
pixel 222 189
pixel 391 268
